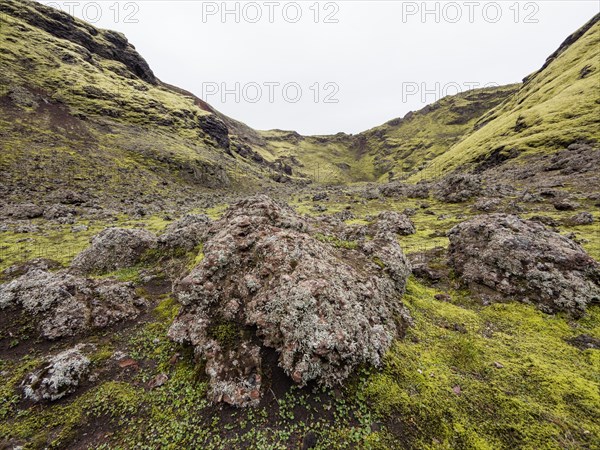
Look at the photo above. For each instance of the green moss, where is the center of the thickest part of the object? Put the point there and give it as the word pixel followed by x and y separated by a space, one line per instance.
pixel 555 108
pixel 336 242
pixel 445 388
pixel 379 262
pixel 225 333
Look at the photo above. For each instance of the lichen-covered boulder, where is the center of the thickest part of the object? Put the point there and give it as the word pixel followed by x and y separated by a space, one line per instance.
pixel 393 222
pixel 59 376
pixel 67 305
pixel 265 282
pixel 185 233
pixel 114 248
pixel 522 260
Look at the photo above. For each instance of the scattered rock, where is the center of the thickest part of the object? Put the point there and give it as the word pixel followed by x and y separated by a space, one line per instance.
pixel 58 212
pixel 584 342
pixel 266 283
pixel 79 228
pixel 583 218
pixel 25 211
pixel 344 215
pixel 393 222
pixel 498 365
pixel 458 188
pixel 566 205
pixel 320 196
pixel 487 204
pixel 371 194
pixel 35 264
pixel 397 189
pixel 114 248
pixel 68 197
pixel 59 376
pixel 443 298
pixel 545 220
pixel 66 305
pixel 521 259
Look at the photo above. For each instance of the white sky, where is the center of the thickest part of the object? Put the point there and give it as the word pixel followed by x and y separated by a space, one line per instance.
pixel 379 58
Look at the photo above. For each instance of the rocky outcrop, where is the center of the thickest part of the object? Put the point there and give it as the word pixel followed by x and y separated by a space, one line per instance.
pixel 59 376
pixel 67 305
pixel 114 248
pixel 265 282
pixel 216 129
pixel 522 260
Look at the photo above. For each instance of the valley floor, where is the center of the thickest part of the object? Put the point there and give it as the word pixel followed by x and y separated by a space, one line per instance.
pixel 468 375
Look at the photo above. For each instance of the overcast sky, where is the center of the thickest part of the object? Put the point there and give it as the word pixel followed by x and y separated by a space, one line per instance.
pixel 321 68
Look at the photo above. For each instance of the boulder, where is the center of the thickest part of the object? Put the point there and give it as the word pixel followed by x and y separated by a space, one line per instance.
pixel 519 259
pixel 265 283
pixel 67 305
pixel 114 248
pixel 583 218
pixel 25 211
pixel 393 222
pixel 59 376
pixel 566 205
pixel 458 188
pixel 59 211
pixel 185 233
pixel 487 204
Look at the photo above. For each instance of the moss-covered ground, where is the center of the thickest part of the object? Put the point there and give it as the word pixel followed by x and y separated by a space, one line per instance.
pixel 466 376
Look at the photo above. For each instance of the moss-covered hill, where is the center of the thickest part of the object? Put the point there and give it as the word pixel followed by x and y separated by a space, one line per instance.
pixel 557 106
pixel 553 108
pixel 80 108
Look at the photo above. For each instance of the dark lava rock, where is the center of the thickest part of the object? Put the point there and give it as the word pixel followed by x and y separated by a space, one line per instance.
pixel 487 204
pixel 397 189
pixel 266 283
pixel 320 196
pixel 522 260
pixel 584 342
pixel 216 129
pixel 565 205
